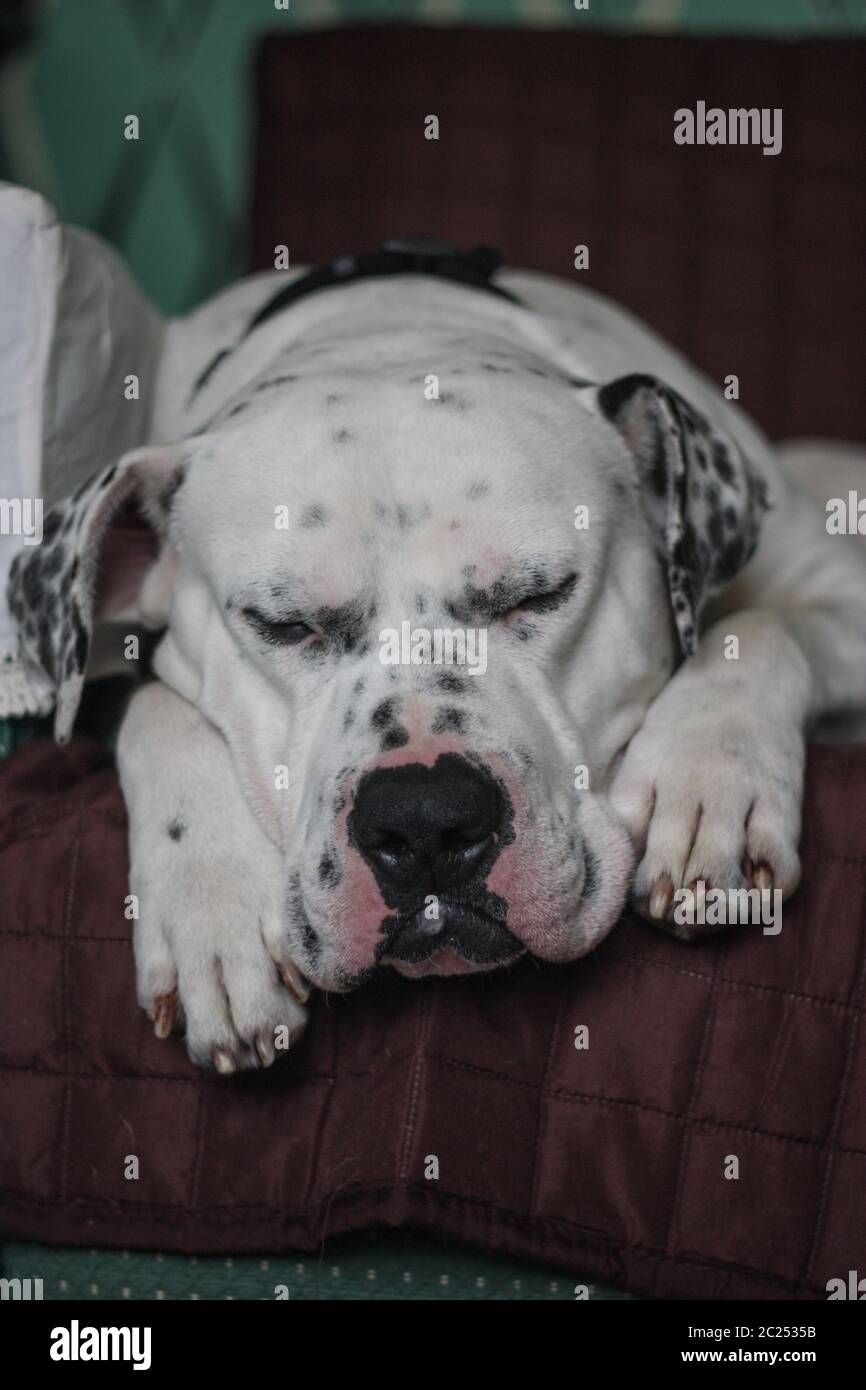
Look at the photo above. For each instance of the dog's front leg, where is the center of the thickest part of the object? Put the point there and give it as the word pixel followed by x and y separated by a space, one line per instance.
pixel 209 946
pixel 711 785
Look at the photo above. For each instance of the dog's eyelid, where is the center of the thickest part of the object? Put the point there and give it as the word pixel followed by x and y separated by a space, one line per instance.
pixel 547 599
pixel 288 629
pixel 274 619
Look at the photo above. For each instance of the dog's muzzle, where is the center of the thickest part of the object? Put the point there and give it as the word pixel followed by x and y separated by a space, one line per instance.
pixel 459 929
pixel 432 834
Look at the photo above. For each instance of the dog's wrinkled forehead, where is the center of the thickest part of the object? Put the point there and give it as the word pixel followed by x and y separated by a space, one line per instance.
pixel 347 472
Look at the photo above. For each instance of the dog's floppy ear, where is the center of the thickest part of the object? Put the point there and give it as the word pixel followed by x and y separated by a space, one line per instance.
pixel 98 549
pixel 705 498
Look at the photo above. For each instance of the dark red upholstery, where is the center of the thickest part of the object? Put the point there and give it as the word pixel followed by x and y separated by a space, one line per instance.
pixel 750 264
pixel 608 1160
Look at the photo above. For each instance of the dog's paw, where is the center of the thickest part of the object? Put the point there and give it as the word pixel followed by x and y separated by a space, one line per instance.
pixel 210 957
pixel 709 795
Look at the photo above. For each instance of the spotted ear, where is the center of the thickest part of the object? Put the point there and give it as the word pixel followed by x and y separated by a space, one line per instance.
pixel 705 498
pixel 98 548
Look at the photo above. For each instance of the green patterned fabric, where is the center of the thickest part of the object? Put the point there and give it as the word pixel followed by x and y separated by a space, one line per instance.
pixel 373 1265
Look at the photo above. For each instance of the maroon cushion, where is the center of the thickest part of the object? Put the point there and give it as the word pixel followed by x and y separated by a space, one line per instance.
pixel 750 264
pixel 609 1160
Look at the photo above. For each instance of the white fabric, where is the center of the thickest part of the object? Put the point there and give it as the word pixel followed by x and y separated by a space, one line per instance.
pixel 73 326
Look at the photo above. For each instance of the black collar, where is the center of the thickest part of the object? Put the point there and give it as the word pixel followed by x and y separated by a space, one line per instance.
pixel 405 256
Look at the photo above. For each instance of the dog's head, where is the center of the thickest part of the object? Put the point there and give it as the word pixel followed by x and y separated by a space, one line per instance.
pixel 427 617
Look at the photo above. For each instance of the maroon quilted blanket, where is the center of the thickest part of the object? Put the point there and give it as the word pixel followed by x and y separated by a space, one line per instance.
pixel 610 1158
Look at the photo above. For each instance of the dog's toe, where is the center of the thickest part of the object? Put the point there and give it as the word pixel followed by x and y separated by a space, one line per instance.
pixel 709 810
pixel 211 962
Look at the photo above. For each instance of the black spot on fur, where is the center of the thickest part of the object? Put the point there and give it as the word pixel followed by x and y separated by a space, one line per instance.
pixel 298 920
pixel 81 639
pixel 45 646
pixel 383 714
pixel 730 560
pixel 50 526
pixel 455 685
pixel 31 581
pixel 722 464
pixel 52 564
pixel 659 467
pixel 592 872
pixel 342 436
pixel 314 516
pixel 176 830
pixel 275 381
pixel 454 402
pixel 329 873
pixel 342 626
pixel 169 492
pixel 396 737
pixel 449 720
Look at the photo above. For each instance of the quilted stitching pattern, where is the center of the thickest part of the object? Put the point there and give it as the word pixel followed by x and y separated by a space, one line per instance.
pixel 611 1157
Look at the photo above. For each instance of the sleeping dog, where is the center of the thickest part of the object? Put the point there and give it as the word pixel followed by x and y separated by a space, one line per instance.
pixel 385 468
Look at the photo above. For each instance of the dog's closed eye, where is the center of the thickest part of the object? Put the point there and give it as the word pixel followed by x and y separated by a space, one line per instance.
pixel 288 632
pixel 547 600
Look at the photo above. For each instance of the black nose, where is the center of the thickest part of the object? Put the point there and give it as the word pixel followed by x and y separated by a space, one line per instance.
pixel 427 828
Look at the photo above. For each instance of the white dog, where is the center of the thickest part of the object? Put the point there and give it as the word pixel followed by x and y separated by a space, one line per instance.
pixel 398 457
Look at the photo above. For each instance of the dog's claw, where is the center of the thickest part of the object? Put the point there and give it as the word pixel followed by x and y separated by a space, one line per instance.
pixel 294 981
pixel 661 897
pixel 223 1061
pixel 762 877
pixel 265 1049
pixel 163 1016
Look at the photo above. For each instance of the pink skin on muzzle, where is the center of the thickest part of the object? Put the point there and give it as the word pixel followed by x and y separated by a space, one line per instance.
pixel 518 876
